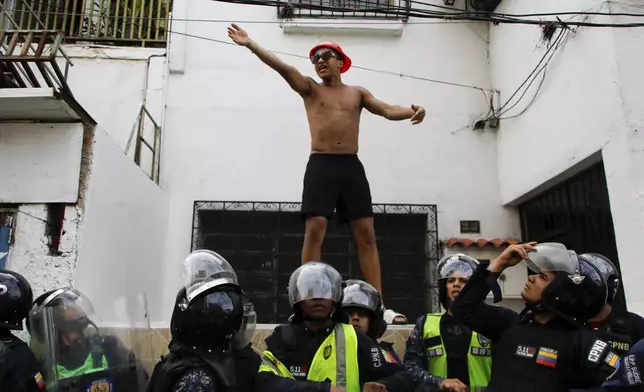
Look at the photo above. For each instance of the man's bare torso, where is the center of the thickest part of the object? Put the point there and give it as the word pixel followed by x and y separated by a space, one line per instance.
pixel 334 118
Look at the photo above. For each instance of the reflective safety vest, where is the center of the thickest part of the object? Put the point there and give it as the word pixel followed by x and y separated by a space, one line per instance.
pixel 479 355
pixel 336 360
pixel 85 368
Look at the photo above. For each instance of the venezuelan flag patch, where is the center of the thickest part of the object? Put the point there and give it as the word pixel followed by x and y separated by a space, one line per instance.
pixel 547 357
pixel 612 360
pixel 389 357
pixel 39 381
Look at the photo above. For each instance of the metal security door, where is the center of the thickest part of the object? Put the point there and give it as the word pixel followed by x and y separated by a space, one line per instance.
pixel 575 213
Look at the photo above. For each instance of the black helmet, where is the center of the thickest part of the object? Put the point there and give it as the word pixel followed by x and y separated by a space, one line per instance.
pixel 209 308
pixel 15 299
pixel 210 320
pixel 316 280
pixel 578 291
pixel 360 294
pixel 447 266
pixel 608 271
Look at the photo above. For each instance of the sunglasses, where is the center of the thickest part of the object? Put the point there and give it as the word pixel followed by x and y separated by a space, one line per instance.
pixel 326 56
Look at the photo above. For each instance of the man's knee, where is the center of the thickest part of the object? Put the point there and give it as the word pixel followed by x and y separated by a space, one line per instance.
pixel 364 232
pixel 316 228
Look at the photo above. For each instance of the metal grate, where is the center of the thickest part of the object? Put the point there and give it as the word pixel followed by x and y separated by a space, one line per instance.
pixel 263 242
pixel 380 9
pixel 575 213
pixel 120 22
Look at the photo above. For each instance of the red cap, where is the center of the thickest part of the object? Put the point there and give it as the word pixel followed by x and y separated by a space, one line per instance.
pixel 337 48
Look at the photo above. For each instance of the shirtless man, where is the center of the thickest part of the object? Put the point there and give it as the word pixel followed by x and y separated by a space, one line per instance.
pixel 335 179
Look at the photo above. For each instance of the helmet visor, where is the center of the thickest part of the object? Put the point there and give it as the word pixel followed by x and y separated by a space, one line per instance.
pixel 553 257
pixel 203 270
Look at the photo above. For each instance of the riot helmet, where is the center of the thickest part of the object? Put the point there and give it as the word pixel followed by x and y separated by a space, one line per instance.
pixel 578 290
pixel 360 294
pixel 209 308
pixel 608 270
pixel 60 320
pixel 449 265
pixel 315 280
pixel 15 299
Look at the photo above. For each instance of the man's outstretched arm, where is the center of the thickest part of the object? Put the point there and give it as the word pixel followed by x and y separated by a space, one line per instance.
pixel 298 82
pixel 391 112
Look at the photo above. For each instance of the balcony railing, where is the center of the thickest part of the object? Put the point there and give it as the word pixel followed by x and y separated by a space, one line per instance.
pixel 117 22
pixel 332 9
pixel 28 59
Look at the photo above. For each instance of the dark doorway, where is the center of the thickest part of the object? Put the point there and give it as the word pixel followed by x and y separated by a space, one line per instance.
pixel 577 214
pixel 263 242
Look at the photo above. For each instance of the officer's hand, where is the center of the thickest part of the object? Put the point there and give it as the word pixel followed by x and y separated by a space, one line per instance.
pixel 513 255
pixel 452 384
pixel 336 389
pixel 374 387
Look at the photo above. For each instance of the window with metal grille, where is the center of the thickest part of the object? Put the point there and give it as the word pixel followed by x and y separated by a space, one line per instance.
pixel 387 9
pixel 263 242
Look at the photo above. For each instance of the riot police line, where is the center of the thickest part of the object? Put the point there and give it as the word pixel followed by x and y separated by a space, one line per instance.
pixel 567 338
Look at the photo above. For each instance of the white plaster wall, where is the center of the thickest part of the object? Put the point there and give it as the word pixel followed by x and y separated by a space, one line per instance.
pixel 624 156
pixel 578 105
pixel 590 106
pixel 112 82
pixel 40 163
pixel 30 256
pixel 235 131
pixel 121 242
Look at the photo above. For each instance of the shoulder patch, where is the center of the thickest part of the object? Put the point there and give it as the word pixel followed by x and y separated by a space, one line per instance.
pixel 483 341
pixel 40 382
pixel 597 350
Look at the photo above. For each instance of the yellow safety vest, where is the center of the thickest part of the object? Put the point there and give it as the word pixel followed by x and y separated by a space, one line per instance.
pixel 335 360
pixel 479 356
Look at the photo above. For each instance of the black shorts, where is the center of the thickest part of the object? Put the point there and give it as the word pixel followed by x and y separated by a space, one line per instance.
pixel 336 182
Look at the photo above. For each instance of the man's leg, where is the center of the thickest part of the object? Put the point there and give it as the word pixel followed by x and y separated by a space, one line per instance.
pixel 365 237
pixel 313 238
pixel 355 206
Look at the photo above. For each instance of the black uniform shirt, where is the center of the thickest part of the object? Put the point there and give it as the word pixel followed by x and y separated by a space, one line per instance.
pixel 528 356
pixel 19 368
pixel 295 347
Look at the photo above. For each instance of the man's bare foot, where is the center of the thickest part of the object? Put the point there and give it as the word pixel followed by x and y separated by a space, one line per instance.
pixel 393 317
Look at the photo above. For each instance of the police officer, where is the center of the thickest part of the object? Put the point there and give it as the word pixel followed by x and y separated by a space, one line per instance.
pixel 211 326
pixel 76 356
pixel 545 348
pixel 317 351
pixel 441 351
pixel 19 368
pixel 362 304
pixel 620 328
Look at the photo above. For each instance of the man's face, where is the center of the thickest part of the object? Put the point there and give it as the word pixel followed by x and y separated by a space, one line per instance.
pixel 317 309
pixel 533 289
pixel 327 63
pixel 72 332
pixel 455 284
pixel 358 317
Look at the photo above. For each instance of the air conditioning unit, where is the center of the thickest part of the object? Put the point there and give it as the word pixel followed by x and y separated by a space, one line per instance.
pixel 484 5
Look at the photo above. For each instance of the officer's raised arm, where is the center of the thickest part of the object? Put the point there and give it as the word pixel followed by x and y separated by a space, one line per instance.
pixel 470 307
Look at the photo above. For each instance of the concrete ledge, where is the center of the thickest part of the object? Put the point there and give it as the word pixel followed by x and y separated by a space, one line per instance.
pixel 391 28
pixel 41 105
